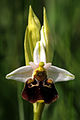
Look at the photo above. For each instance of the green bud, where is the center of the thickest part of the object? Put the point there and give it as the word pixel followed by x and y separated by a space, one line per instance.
pixel 32 35
pixel 49 42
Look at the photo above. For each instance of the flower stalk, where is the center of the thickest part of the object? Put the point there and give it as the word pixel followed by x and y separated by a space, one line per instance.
pixel 38 109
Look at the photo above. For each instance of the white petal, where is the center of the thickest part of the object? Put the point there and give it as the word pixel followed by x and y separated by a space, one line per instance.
pixel 39 53
pixel 58 74
pixel 21 74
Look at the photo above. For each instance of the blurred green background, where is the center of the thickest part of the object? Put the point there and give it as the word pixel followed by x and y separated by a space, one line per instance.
pixel 64 22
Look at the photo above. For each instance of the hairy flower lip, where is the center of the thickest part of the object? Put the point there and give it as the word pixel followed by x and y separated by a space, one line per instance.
pixel 40 92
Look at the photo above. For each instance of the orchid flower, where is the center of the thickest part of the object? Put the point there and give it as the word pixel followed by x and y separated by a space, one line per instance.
pixel 39 77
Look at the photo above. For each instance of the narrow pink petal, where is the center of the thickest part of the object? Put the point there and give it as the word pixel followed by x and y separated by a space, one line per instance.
pixel 33 65
pixel 47 65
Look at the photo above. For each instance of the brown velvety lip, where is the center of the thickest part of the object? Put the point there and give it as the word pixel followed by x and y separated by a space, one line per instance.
pixel 40 92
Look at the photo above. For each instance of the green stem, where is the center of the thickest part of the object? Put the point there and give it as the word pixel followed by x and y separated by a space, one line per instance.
pixel 20 102
pixel 38 109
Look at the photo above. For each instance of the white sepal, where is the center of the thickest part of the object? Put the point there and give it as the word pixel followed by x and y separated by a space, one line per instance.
pixel 21 74
pixel 58 74
pixel 39 53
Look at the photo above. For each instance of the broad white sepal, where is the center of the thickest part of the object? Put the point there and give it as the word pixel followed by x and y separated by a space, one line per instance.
pixel 21 74
pixel 39 53
pixel 58 74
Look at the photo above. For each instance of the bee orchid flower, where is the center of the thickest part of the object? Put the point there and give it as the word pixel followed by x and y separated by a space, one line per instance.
pixel 39 77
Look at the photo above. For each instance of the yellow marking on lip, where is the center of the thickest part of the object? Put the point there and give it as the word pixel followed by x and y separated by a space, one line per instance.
pixel 30 81
pixel 40 101
pixel 49 81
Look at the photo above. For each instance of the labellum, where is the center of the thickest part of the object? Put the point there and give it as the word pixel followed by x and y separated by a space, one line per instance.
pixel 39 88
